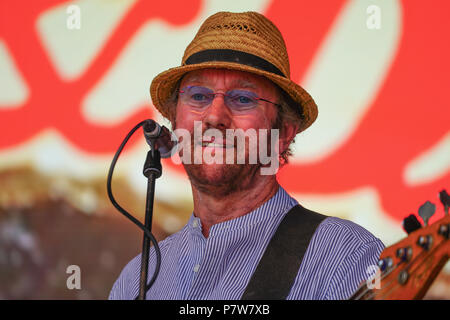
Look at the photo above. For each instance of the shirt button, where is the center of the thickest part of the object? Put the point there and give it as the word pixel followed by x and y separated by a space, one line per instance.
pixel 195 224
pixel 196 267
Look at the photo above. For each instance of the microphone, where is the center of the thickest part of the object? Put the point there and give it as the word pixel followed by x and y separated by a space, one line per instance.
pixel 159 137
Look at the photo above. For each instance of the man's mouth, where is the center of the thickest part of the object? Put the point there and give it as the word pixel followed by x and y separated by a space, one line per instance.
pixel 216 143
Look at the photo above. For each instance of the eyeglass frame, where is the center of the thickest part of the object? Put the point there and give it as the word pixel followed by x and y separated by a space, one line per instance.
pixel 256 97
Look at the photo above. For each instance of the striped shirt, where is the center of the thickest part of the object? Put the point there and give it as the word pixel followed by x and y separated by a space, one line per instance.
pixel 219 267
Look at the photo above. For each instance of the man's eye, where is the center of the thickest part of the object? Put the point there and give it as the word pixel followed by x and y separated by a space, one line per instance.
pixel 244 100
pixel 198 97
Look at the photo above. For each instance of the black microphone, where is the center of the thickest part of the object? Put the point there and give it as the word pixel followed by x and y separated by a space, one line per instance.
pixel 159 137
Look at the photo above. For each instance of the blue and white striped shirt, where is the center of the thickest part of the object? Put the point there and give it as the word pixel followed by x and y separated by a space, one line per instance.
pixel 219 267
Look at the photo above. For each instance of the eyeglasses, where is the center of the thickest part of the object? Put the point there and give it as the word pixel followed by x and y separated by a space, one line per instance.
pixel 236 99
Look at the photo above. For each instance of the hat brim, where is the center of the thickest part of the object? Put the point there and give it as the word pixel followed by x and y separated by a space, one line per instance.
pixel 164 84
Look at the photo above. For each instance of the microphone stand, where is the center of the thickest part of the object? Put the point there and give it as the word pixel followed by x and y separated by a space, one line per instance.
pixel 152 170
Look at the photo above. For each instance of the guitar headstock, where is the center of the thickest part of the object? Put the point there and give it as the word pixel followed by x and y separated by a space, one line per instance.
pixel 408 268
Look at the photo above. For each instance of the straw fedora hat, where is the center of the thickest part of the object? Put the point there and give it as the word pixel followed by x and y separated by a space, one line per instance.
pixel 246 41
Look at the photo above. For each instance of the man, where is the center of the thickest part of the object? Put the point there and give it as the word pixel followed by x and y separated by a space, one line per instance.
pixel 235 76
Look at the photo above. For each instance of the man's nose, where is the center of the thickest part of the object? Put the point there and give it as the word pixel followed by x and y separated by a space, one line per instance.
pixel 218 115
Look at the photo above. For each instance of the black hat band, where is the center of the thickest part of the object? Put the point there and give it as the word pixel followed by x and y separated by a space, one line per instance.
pixel 228 55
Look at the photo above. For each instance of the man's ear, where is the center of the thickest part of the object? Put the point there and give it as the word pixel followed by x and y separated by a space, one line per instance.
pixel 173 116
pixel 287 134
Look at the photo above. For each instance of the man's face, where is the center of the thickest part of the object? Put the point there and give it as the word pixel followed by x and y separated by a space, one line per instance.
pixel 223 178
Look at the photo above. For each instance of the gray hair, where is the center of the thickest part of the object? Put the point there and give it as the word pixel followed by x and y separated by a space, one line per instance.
pixel 288 111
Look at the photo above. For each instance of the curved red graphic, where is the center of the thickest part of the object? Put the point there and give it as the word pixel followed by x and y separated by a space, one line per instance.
pixel 55 103
pixel 389 136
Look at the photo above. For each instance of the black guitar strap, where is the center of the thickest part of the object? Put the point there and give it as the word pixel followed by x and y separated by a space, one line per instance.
pixel 279 265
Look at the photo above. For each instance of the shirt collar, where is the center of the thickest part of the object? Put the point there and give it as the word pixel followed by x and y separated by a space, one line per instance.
pixel 278 204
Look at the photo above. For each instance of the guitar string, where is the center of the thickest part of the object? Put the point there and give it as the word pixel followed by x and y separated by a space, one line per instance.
pixel 428 253
pixel 358 295
pixel 366 289
pixel 385 274
pixel 395 283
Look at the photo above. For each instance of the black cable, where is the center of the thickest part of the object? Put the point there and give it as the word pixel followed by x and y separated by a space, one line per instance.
pixel 125 213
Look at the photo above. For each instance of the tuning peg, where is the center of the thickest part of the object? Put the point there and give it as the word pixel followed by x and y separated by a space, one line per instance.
pixel 410 224
pixel 445 200
pixel 426 211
